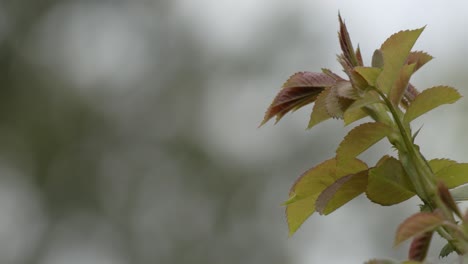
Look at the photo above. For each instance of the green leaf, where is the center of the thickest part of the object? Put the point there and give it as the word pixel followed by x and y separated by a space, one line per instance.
pixel 388 183
pixel 420 246
pixel 454 175
pixel 438 164
pixel 430 99
pixel 416 225
pixel 300 89
pixel 401 84
pixel 446 250
pixel 370 74
pixel 395 51
pixel 361 138
pixel 340 192
pixel 319 112
pixel 460 194
pixel 356 110
pixel 353 115
pixel 309 185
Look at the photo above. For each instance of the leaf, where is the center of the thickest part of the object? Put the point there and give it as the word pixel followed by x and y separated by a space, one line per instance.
pixel 338 99
pixel 309 186
pixel 319 111
pixel 395 51
pixel 370 74
pixel 419 58
pixel 361 138
pixel 446 250
pixel 416 225
pixel 454 175
pixel 356 110
pixel 401 84
pixel 352 115
pixel 377 59
pixel 346 44
pixel 460 194
pixel 438 164
pixel 359 56
pixel 388 183
pixel 447 198
pixel 340 192
pixel 420 246
pixel 430 99
pixel 300 89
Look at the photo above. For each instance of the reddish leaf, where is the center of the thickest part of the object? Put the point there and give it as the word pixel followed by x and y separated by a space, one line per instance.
pixel 340 192
pixel 300 89
pixel 416 225
pixel 420 246
pixel 339 98
pixel 349 56
pixel 447 198
pixel 419 58
pixel 359 56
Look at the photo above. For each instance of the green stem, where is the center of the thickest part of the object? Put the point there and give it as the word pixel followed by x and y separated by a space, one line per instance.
pixel 422 177
pixel 420 173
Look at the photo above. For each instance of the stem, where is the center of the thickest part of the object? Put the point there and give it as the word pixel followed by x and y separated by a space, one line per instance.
pixel 422 177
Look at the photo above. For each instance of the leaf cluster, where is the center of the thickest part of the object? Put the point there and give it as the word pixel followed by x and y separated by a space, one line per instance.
pixel 383 92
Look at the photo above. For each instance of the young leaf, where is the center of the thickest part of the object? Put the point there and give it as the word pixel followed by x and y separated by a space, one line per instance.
pixel 401 84
pixel 356 110
pixel 300 89
pixel 319 111
pixel 377 59
pixel 361 138
pixel 352 115
pixel 339 98
pixel 419 58
pixel 388 183
pixel 346 45
pixel 308 187
pixel 416 225
pixel 340 192
pixel 438 164
pixel 370 74
pixel 430 99
pixel 447 198
pixel 454 175
pixel 420 246
pixel 395 51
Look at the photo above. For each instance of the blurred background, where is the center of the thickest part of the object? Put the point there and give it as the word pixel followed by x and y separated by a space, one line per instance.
pixel 128 129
